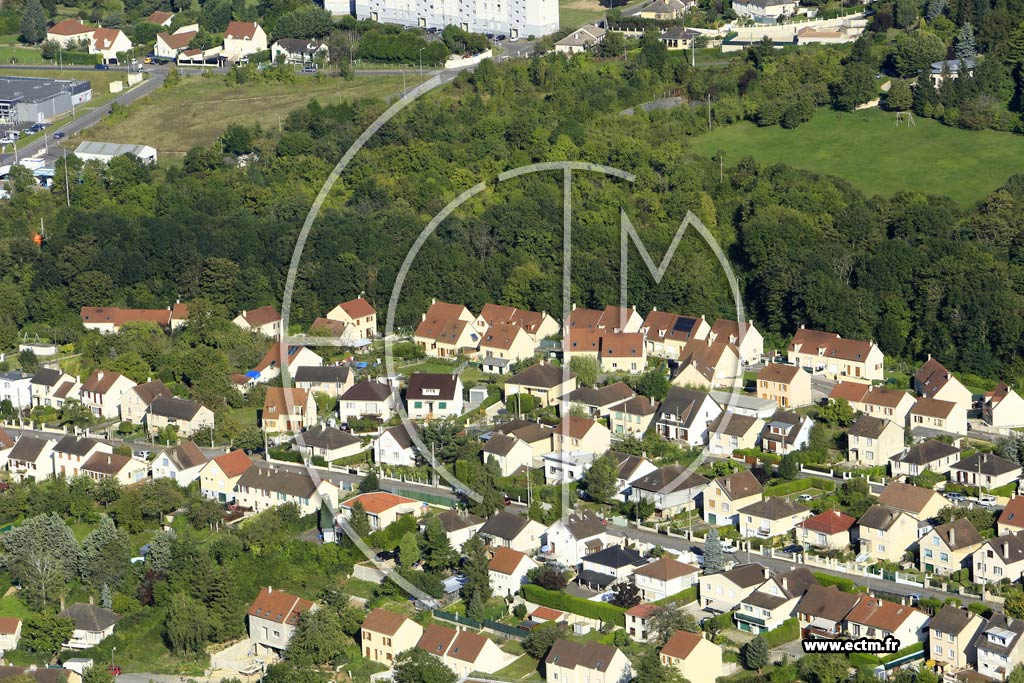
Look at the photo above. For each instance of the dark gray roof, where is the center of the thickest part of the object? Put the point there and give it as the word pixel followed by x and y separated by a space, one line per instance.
pixel 584 524
pixel 627 464
pixel 289 483
pixel 367 391
pixel 90 617
pixel 765 600
pixel 879 517
pixel 187 455
pixel 400 434
pixel 988 463
pixel 1010 547
pixel 732 424
pixel 827 602
pixel 454 520
pixel 997 623
pixel 589 577
pixel 958 534
pixel 604 396
pixel 500 444
pixel 300 45
pixel 683 404
pixel 424 385
pixel 797 580
pixel 670 479
pixel 326 374
pixel 151 390
pixel 926 452
pixel 322 436
pixel 794 420
pixel 74 445
pixel 27 448
pixel 678 33
pixel 773 508
pixel 591 655
pixel 47 377
pixel 616 557
pixel 868 426
pixel 747 575
pixel 505 525
pixel 540 375
pixel 177 408
pixel 950 619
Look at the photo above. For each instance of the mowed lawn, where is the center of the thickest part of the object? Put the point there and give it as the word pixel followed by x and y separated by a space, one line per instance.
pixel 576 13
pixel 867 149
pixel 197 110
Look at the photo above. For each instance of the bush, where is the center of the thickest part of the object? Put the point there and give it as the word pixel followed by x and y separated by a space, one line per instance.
pixel 570 603
pixel 843 584
pixel 797 485
pixel 910 649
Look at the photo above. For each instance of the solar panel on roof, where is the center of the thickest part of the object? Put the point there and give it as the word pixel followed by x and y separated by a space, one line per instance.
pixel 683 324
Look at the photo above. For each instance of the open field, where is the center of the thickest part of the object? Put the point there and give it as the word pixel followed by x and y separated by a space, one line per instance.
pixel 576 13
pixel 867 149
pixel 196 111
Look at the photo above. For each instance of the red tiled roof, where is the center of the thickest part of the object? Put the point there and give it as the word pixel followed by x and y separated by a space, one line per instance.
pixel 103 38
pixel 642 611
pixel 159 17
pixel 881 614
pixel 681 644
pixel 829 522
pixel 383 621
pixel 357 308
pixel 779 372
pixel 119 316
pixel 1013 514
pixel 546 613
pixel 233 464
pixel 240 30
pixel 68 27
pixel 377 502
pixel 9 625
pixel 256 317
pixel 505 561
pixel 278 606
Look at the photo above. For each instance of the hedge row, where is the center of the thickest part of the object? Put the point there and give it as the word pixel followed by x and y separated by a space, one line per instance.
pixel 843 584
pixel 787 632
pixel 570 603
pixel 908 650
pixel 684 597
pixel 798 485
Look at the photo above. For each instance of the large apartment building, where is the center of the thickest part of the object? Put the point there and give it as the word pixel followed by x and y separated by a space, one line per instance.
pixel 515 18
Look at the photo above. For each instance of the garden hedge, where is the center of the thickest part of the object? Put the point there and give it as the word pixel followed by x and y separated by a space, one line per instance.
pixel 570 603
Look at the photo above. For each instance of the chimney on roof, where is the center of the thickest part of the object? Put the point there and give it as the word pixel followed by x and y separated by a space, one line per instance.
pixel 878 603
pixel 1006 550
pixel 108 459
pixel 270 589
pixel 929 356
pixel 433 301
pixel 767 573
pixel 785 584
pixel 952 536
pixel 99 375
pixel 423 317
pixel 574 307
pixel 90 600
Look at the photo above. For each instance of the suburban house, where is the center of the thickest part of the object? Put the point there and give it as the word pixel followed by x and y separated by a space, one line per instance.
pixel 538 326
pixel 218 477
pixel 822 611
pixel 629 468
pixel 664 578
pixel 601 401
pixel 615 351
pixel 44 385
pixel 71 452
pixel 169 45
pixel 16 387
pixel 611 319
pixel 69 32
pixel 709 365
pixel 952 633
pixel 999 558
pixel 771 517
pixel 92 624
pixel 31 458
pixel 509 452
pixel 669 333
pixel 462 651
pixel 1011 519
pixel 507 571
pixel 373 400
pixel 637 625
pixel 672 489
pixel 273 616
pixel 264 320
pixel 933 380
pixel 125 470
pixel 920 503
pixel 459 526
pixel 359 317
pixel 503 344
pixel 103 392
pixel 562 467
pixel 570 539
pixel 385 635
pixel 829 354
pixel 787 385
pixel 936 456
pixel 433 397
pixel 828 530
pixel 749 343
pixel 298 51
pixel 999 646
pixel 540 438
pixel 580 40
pixel 136 401
pixel 1003 407
pixel 10 633
pixel 877 618
pixel 664 10
pixel 107 42
pixel 724 497
pixel 509 530
pixel 634 417
pixel 188 416
pixel 571 662
pixel 986 470
pixel 182 463
pixel 6 446
pixel 329 443
pixel 159 18
pixel 288 410
pixel 394 446
pixel 447 330
pixel 886 534
pixel 696 658
pixel 685 414
pixel 942 416
pixel 876 401
pixel 111 318
pixel 261 488
pixel 949 547
pixel 546 383
pixel 872 441
pixel 279 355
pixel 773 602
pixel 243 38
pixel 723 591
pixel 786 432
pixel 730 432
pixel 581 434
pixel 332 380
pixel 382 508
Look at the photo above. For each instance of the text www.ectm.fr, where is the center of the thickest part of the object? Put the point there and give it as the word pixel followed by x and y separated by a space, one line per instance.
pixel 872 645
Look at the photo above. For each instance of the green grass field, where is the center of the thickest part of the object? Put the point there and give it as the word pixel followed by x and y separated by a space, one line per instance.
pixel 197 111
pixel 11 54
pixel 576 13
pixel 867 149
pixel 526 668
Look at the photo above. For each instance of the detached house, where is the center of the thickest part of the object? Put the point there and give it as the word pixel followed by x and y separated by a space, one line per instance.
pixel 264 320
pixel 367 400
pixel 537 325
pixel 730 432
pixel 872 441
pixel 877 618
pixel 332 380
pixel 31 458
pixel 637 621
pixel 572 538
pixel 44 385
pixel 546 383
pixel 261 488
pixel 709 365
pixel 1000 648
pixel 685 414
pixel 463 651
pixel 92 624
pixel 829 354
pixel 273 617
pixel 509 530
pixel 459 526
pixel 747 340
pixel 629 468
pixel 382 508
pixel 103 392
pixel 986 470
pixel 601 401
pixel 664 578
pixel 591 662
pixel 288 410
pixel 136 401
pixel 725 496
pixel 669 333
pixel 125 470
pixel 952 633
pixel 385 635
pixel 949 547
pixel 696 658
pixel 941 416
pixel 71 452
pixel 877 401
pixel 936 456
pixel 822 611
pixel 188 416
pixel 787 385
pixel 503 344
pixel 829 530
pixel 108 42
pixel 671 488
pixel 722 592
pixel 169 45
pixel 582 434
pixel 507 571
pixel 933 380
pixel 447 330
pixel 1003 407
pixel 999 558
pixel 1011 519
pixel 786 432
pixel 69 32
pixel 580 40
pixel 634 417
pixel 218 477
pixel 280 355
pixel 771 517
pixel 329 443
pixel 433 397
pixel 243 38
pixel 920 503
pixel 394 446
pixel 886 534
pixel 298 51
pixel 358 316
pixel 181 463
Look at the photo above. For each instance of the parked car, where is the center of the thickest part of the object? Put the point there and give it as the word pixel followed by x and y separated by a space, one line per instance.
pixel 955 496
pixel 728 545
pixel 794 549
pixel 987 500
pixel 805 497
pixel 7 140
pixel 58 135
pixel 102 67
pixel 309 69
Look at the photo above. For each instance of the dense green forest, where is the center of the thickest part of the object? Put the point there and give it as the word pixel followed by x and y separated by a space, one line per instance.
pixel 918 274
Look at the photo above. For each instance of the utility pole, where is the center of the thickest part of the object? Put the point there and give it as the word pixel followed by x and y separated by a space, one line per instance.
pixel 709 111
pixel 67 186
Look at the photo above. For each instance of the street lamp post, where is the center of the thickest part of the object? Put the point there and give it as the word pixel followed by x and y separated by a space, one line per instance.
pixel 112 651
